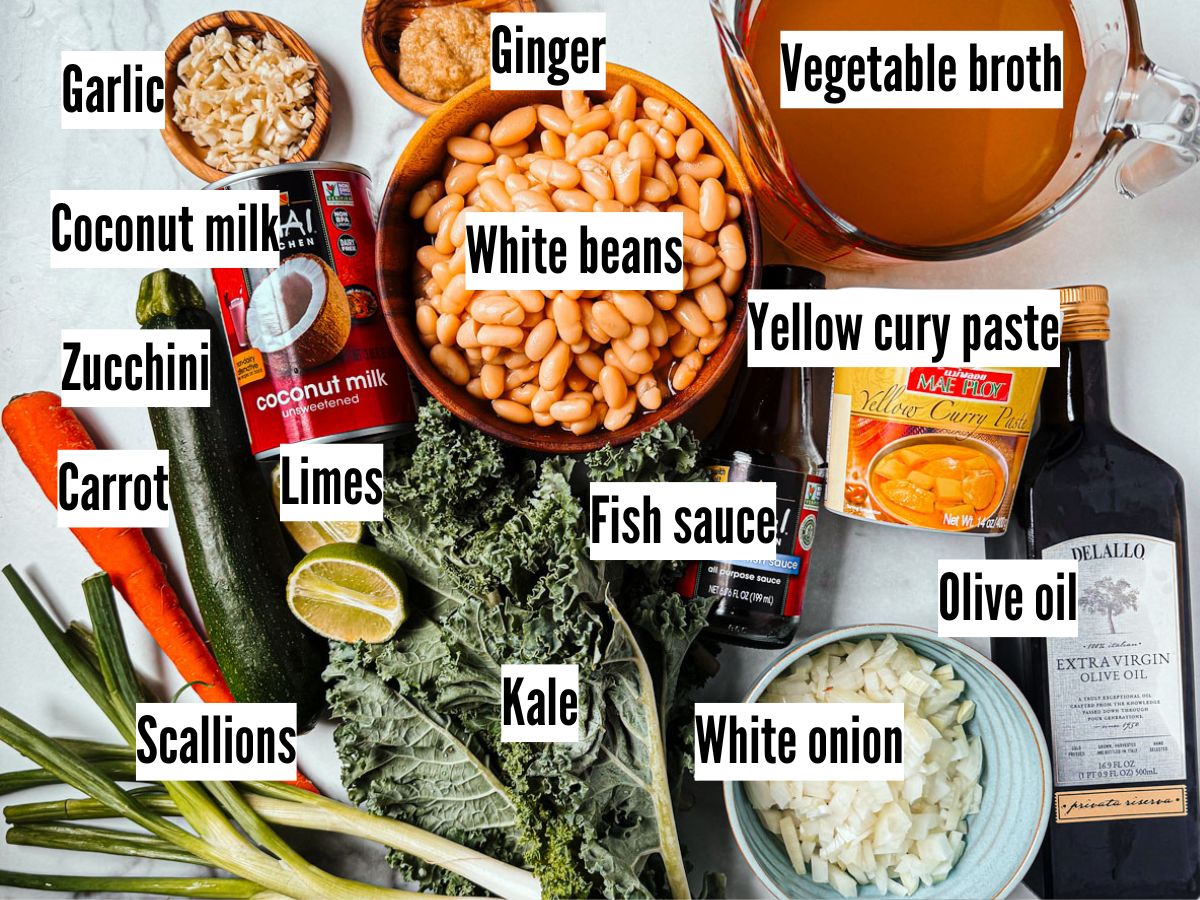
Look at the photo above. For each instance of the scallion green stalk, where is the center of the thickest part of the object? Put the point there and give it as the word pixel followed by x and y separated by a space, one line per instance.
pixel 236 888
pixel 291 807
pixel 116 769
pixel 152 798
pixel 89 838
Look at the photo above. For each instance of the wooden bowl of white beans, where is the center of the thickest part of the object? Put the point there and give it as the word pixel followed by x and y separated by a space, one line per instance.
pixel 567 371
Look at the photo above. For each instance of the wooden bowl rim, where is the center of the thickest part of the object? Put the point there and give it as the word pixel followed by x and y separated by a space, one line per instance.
pixel 181 144
pixel 549 440
pixel 382 72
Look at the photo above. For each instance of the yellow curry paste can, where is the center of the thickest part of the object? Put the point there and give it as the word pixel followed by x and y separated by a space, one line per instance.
pixel 927 447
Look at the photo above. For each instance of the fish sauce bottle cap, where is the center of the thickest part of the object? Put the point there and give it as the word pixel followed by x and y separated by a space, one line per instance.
pixel 788 277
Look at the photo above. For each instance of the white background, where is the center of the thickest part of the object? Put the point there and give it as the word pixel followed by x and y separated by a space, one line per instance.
pixel 1145 251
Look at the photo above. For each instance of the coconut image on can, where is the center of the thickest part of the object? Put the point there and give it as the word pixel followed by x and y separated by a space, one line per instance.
pixel 299 316
pixel 314 361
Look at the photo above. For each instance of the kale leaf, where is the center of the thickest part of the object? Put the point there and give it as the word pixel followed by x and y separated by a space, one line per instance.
pixel 496 549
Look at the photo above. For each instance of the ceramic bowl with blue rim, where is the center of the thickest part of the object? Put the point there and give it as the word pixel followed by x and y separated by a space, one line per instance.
pixel 1002 838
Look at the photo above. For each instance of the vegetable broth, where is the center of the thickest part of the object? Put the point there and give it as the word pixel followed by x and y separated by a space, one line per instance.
pixel 923 177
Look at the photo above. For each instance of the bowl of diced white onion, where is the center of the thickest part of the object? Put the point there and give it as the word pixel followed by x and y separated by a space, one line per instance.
pixel 970 814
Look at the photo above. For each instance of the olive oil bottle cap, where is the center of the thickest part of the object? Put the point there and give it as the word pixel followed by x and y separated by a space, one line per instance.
pixel 1084 312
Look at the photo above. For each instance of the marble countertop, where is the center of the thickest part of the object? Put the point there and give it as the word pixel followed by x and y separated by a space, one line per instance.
pixel 1144 251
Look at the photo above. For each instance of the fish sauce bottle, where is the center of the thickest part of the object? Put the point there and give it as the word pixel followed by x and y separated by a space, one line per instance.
pixel 765 434
pixel 1117 703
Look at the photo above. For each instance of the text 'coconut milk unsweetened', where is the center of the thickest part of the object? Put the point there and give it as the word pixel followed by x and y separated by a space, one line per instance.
pixel 311 349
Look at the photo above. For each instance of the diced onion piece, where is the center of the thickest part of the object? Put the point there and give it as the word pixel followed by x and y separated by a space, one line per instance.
pixel 791 843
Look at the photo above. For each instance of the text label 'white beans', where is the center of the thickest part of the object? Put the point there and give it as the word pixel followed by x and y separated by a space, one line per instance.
pixel 574 251
pixel 683 520
pixel 885 327
pixel 799 741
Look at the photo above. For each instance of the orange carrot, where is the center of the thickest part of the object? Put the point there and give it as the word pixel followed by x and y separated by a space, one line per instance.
pixel 39 426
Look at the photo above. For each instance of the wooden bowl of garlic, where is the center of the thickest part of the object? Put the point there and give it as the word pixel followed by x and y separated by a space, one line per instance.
pixel 221 120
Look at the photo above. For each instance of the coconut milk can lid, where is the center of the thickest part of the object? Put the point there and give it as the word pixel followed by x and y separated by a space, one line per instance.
pixel 1084 312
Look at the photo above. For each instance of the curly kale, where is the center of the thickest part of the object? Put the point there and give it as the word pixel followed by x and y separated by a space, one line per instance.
pixel 496 549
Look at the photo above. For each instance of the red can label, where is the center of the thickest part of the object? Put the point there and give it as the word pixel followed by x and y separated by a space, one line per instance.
pixel 964 384
pixel 311 349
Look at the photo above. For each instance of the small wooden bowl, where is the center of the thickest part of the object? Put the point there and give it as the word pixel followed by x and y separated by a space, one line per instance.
pixel 382 22
pixel 186 150
pixel 399 237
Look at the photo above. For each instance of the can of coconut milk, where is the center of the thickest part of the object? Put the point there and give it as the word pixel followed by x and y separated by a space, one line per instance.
pixel 313 355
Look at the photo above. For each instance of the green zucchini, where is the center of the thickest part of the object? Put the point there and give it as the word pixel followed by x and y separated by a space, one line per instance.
pixel 237 558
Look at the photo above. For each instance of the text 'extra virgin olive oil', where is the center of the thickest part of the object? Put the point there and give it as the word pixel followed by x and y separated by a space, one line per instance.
pixel 1118 702
pixel 765 434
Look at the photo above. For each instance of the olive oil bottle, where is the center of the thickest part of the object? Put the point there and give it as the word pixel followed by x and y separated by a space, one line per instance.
pixel 1118 702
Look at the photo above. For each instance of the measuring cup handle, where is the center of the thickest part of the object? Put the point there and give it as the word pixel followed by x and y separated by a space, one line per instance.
pixel 1164 117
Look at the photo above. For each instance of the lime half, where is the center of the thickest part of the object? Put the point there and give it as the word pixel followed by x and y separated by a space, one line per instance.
pixel 311 535
pixel 349 592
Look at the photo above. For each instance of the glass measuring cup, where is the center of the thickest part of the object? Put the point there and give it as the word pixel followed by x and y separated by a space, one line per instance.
pixel 1126 100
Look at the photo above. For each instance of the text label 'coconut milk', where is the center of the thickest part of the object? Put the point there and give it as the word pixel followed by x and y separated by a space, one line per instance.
pixel 151 229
